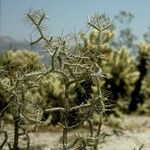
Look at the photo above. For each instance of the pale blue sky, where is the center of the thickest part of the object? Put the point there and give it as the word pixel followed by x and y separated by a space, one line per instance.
pixel 67 14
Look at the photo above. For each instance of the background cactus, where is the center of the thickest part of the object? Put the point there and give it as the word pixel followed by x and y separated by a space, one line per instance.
pixel 13 64
pixel 145 90
pixel 121 75
pixel 52 90
pixel 27 60
pixel 137 96
pixel 68 91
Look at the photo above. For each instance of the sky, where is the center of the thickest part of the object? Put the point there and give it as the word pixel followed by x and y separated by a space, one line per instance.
pixel 69 14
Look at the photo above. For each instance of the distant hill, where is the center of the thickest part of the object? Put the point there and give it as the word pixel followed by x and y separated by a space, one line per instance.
pixel 7 43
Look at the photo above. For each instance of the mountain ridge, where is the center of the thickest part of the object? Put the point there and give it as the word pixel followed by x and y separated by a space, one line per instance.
pixel 9 43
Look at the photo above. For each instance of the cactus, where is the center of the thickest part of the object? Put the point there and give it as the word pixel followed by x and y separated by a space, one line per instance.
pixel 13 64
pixel 92 41
pixel 137 97
pixel 76 70
pixel 145 90
pixel 52 90
pixel 5 84
pixel 121 74
pixel 27 60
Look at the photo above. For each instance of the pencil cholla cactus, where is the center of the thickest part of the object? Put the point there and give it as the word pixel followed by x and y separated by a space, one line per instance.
pixel 74 72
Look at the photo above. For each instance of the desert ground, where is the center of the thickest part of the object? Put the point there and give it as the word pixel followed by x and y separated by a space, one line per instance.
pixel 131 133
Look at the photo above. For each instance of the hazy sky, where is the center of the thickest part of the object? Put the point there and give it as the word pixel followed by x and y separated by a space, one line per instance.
pixel 67 14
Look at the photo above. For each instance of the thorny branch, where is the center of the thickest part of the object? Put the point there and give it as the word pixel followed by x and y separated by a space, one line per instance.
pixel 74 69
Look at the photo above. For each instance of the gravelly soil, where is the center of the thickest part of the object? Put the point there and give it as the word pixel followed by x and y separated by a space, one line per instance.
pixel 134 131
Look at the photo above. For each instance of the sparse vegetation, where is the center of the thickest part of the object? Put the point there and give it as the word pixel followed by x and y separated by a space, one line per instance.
pixel 68 90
